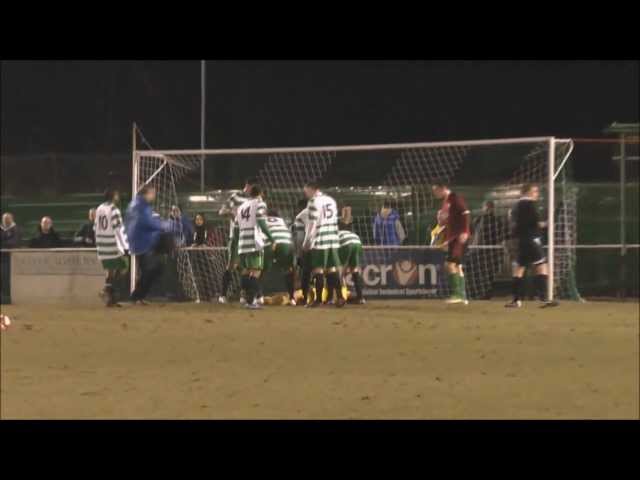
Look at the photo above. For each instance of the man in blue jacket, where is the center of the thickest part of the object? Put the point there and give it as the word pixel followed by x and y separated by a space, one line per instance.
pixel 387 228
pixel 149 238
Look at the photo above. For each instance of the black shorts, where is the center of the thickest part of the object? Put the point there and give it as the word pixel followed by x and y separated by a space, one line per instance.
pixel 455 252
pixel 530 252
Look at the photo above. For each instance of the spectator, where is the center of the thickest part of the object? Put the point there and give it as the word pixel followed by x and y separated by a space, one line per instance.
pixel 10 232
pixel 387 228
pixel 345 222
pixel 86 236
pixel 200 235
pixel 487 228
pixel 46 237
pixel 181 227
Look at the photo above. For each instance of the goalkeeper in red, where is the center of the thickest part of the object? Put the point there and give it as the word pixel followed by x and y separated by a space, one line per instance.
pixel 456 219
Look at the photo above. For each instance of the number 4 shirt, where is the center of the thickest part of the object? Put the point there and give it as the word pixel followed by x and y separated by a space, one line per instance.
pixel 249 214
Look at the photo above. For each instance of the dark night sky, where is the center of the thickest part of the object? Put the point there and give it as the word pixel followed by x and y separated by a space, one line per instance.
pixel 89 106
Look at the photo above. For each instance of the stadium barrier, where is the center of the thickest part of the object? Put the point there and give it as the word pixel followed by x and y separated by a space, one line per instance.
pixel 64 275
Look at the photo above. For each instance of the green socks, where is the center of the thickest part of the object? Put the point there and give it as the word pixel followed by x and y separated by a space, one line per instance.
pixel 457 285
pixel 454 284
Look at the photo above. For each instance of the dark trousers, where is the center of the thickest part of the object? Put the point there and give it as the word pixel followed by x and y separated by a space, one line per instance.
pixel 150 265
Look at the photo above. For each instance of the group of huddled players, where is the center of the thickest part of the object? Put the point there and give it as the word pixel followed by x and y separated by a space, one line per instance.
pixel 312 249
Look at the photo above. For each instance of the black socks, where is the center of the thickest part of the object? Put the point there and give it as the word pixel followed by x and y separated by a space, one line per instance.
pixel 334 284
pixel 540 286
pixel 517 288
pixel 251 287
pixel 318 284
pixel 540 282
pixel 288 280
pixel 357 283
pixel 226 280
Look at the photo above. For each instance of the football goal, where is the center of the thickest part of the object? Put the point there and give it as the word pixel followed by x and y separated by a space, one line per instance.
pixel 382 180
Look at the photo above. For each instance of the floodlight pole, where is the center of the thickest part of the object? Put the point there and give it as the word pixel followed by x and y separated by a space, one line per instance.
pixel 623 181
pixel 203 91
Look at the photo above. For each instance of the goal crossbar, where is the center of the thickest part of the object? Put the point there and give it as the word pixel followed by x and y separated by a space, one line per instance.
pixel 350 148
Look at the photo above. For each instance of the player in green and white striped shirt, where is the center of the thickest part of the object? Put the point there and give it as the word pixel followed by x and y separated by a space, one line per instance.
pixel 351 258
pixel 230 209
pixel 250 225
pixel 111 243
pixel 321 239
pixel 282 256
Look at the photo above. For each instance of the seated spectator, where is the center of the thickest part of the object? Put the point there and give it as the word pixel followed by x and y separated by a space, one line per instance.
pixel 10 232
pixel 86 236
pixel 387 228
pixel 345 222
pixel 201 234
pixel 46 237
pixel 181 227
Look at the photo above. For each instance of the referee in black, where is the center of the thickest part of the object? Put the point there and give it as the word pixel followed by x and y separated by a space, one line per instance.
pixel 527 233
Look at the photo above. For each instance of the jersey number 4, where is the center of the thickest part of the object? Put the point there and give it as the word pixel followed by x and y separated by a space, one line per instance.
pixel 245 214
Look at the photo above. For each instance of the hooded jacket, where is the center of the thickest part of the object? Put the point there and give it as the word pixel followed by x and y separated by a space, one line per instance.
pixel 387 229
pixel 143 227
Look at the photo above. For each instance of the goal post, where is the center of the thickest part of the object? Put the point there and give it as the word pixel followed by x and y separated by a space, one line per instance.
pixel 398 177
pixel 551 217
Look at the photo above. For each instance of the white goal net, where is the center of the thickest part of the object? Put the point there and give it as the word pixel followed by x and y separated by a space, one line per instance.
pixel 487 173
